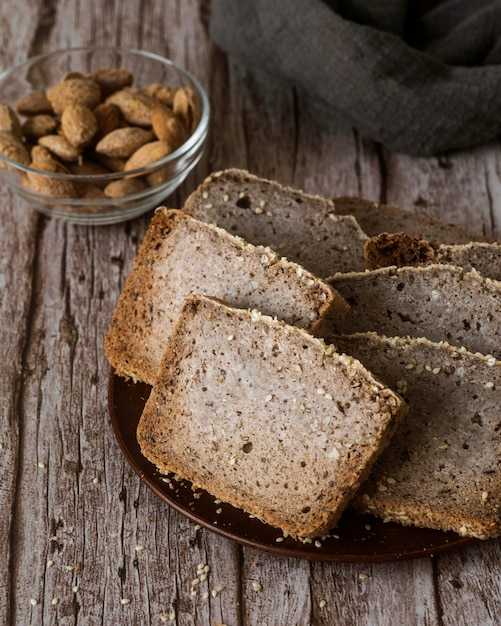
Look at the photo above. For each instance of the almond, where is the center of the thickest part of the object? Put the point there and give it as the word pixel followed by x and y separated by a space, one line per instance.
pixel 74 91
pixel 42 159
pixel 134 106
pixel 162 93
pixel 60 147
pixel 185 105
pixel 9 120
pixel 39 125
pixel 112 79
pixel 13 147
pixel 123 142
pixel 88 191
pixel 114 164
pixel 167 126
pixel 53 187
pixel 108 119
pixel 120 188
pixel 35 103
pixel 86 167
pixel 148 154
pixel 157 176
pixel 78 124
pixel 69 75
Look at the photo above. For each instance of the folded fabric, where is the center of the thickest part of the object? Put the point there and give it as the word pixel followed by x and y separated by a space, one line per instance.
pixel 422 83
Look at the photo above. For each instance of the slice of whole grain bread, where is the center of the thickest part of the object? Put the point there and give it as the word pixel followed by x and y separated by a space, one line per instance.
pixel 400 249
pixel 302 227
pixel 265 417
pixel 442 469
pixel 375 218
pixel 440 302
pixel 180 254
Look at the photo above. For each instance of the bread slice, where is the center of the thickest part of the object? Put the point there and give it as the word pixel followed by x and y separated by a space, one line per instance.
pixel 180 254
pixel 375 218
pixel 265 417
pixel 302 227
pixel 442 468
pixel 401 249
pixel 440 302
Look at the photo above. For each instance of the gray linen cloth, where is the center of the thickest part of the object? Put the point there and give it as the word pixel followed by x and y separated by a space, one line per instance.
pixel 421 77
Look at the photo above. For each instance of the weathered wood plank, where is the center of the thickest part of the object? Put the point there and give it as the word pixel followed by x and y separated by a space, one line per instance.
pixel 18 245
pixel 275 590
pixel 385 593
pixel 469 585
pixel 462 187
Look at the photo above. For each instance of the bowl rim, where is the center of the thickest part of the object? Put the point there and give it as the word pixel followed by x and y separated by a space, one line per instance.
pixel 195 138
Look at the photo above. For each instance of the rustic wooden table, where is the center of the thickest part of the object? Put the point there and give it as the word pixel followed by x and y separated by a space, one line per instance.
pixel 84 541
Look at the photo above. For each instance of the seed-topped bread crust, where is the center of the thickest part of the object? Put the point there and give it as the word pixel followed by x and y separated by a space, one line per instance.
pixel 302 227
pixel 265 417
pixel 442 469
pixel 180 254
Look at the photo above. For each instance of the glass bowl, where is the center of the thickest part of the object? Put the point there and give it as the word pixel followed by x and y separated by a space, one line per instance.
pixel 152 182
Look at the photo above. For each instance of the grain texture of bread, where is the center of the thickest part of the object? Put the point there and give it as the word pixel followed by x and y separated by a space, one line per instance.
pixel 265 417
pixel 375 218
pixel 401 249
pixel 440 302
pixel 180 254
pixel 442 469
pixel 302 227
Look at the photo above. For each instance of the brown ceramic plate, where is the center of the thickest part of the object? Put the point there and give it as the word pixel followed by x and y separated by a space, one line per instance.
pixel 358 539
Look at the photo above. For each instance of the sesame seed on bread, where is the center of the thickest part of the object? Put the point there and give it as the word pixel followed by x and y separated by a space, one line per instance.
pixel 265 417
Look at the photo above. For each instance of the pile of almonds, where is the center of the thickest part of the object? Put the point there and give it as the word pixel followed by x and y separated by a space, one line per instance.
pixel 96 123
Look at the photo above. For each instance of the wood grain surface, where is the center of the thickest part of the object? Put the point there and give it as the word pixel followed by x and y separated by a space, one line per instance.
pixel 83 541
